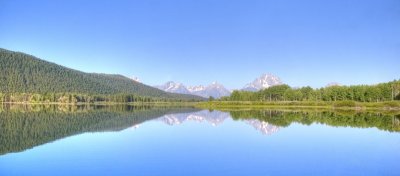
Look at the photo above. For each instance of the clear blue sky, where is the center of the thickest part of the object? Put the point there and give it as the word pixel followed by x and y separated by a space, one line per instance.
pixel 305 42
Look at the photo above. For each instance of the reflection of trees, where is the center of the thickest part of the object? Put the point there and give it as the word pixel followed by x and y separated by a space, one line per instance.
pixel 25 127
pixel 21 130
pixel 337 119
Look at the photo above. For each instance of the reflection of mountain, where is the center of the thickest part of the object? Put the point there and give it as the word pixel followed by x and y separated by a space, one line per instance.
pixel 215 118
pixel 262 126
pixel 21 130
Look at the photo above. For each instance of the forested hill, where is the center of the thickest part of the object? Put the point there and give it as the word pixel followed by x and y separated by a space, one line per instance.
pixel 23 73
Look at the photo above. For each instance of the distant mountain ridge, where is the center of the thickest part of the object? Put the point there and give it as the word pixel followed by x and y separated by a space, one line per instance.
pixel 215 89
pixel 173 87
pixel 263 82
pixel 23 73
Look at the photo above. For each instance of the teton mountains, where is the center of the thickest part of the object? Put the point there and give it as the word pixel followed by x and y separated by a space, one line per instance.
pixel 217 90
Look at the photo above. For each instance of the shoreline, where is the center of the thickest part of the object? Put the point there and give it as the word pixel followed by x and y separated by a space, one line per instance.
pixel 102 103
pixel 340 105
pixel 240 105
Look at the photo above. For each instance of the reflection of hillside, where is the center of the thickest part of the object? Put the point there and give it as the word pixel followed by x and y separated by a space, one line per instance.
pixel 387 122
pixel 21 130
pixel 215 118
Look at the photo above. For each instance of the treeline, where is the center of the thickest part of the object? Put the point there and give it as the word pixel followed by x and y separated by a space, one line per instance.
pixel 73 98
pixel 361 93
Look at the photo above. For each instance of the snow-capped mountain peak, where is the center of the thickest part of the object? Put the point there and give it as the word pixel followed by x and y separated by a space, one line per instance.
pixel 196 88
pixel 215 89
pixel 174 87
pixel 216 85
pixel 263 82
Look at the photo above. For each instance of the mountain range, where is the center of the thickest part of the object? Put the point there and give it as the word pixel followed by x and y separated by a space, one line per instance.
pixel 217 90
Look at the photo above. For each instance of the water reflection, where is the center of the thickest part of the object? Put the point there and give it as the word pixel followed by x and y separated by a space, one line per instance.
pixel 387 121
pixel 24 127
pixel 216 118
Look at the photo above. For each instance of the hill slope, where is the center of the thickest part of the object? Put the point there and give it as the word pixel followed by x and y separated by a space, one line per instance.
pixel 24 73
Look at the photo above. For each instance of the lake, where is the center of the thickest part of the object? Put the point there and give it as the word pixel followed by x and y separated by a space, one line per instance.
pixel 145 140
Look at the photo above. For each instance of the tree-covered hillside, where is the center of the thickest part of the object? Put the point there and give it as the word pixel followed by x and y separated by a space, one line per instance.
pixel 23 73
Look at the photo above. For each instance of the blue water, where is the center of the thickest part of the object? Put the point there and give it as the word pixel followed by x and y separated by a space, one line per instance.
pixel 212 143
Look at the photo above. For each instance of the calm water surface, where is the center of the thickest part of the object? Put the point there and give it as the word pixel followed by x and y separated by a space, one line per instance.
pixel 185 141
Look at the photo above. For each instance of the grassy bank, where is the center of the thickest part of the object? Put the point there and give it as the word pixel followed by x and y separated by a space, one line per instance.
pixel 388 105
pixel 220 105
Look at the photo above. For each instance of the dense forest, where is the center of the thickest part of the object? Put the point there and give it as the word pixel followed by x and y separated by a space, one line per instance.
pixel 75 98
pixel 25 76
pixel 361 93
